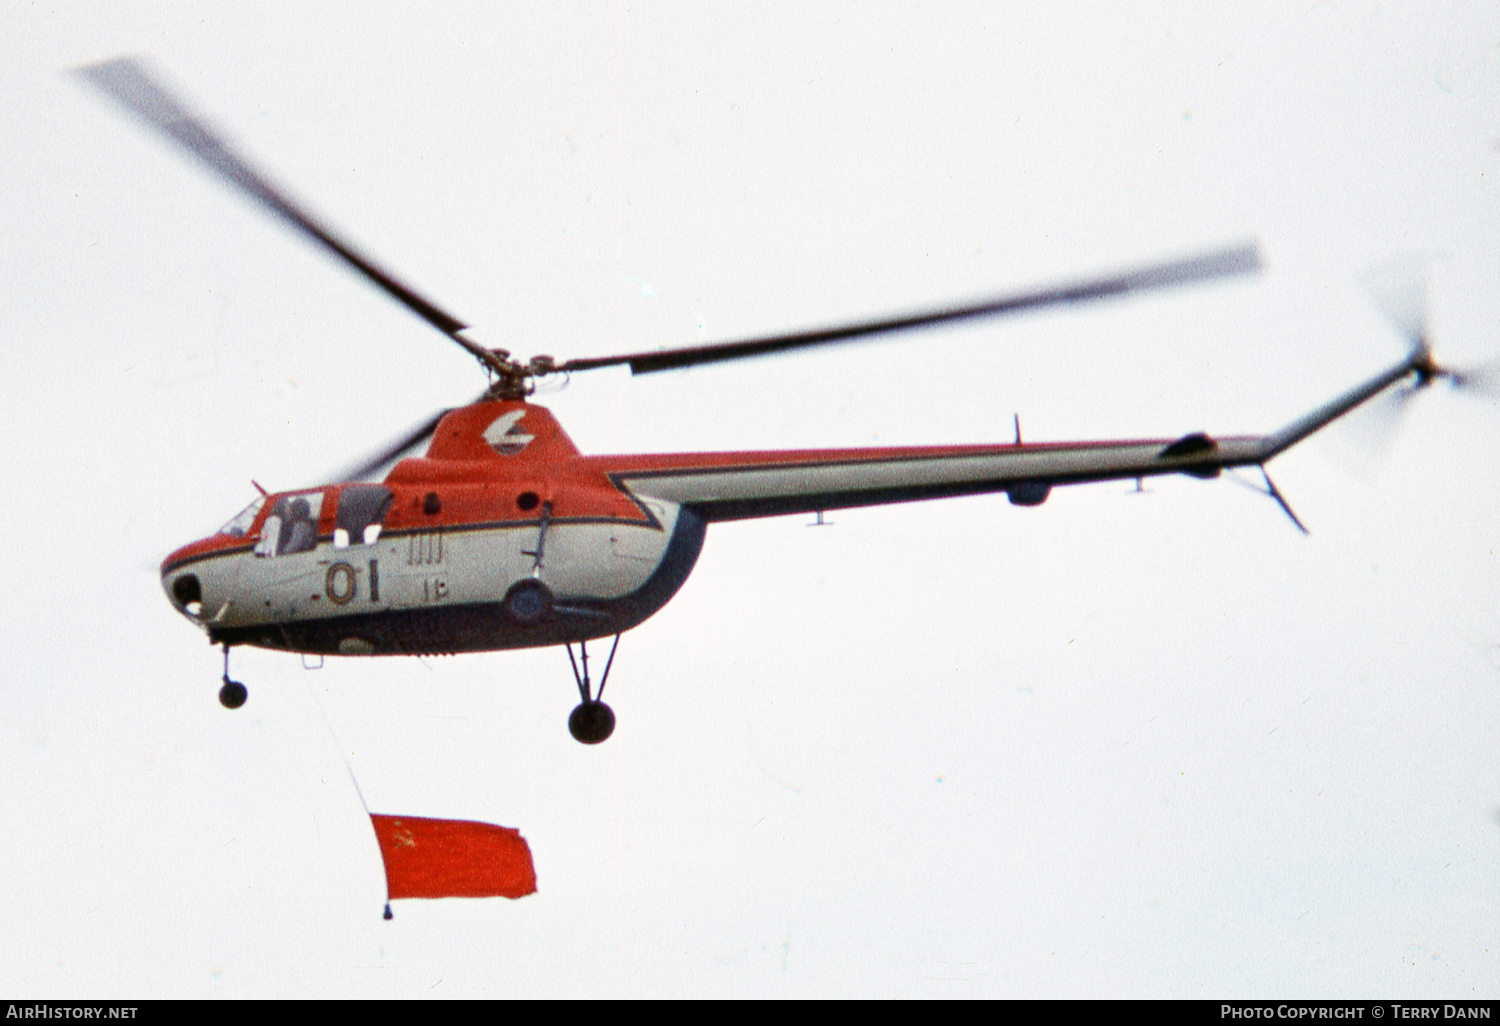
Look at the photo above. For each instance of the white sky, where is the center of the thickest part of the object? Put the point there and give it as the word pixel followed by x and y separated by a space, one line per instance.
pixel 1119 745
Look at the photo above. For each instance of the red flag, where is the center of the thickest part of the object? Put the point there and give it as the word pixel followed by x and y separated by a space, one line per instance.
pixel 453 858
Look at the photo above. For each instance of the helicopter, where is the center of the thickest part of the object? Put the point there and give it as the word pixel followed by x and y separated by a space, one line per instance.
pixel 503 535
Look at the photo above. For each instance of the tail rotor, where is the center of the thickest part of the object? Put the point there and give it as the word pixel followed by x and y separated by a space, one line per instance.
pixel 1399 290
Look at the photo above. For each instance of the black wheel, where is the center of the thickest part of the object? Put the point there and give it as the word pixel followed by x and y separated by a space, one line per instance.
pixel 591 722
pixel 528 602
pixel 233 694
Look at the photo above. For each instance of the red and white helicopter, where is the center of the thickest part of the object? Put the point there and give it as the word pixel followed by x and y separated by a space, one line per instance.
pixel 503 535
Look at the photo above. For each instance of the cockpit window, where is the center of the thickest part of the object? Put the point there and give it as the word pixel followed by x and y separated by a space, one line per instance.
pixel 240 525
pixel 292 525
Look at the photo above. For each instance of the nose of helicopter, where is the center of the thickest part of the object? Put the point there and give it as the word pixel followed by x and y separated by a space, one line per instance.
pixel 186 593
pixel 191 582
pixel 183 587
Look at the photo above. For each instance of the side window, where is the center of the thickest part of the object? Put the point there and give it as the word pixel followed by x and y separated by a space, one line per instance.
pixel 292 525
pixel 362 509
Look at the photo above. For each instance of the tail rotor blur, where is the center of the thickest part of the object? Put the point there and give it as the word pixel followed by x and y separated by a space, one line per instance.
pixel 1399 290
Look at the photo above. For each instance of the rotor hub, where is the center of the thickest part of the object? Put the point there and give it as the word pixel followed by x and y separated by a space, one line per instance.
pixel 1426 367
pixel 513 379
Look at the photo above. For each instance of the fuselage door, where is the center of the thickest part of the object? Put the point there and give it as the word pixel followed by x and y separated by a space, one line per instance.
pixel 361 512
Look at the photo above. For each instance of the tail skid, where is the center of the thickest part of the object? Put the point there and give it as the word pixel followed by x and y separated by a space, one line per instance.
pixel 1275 493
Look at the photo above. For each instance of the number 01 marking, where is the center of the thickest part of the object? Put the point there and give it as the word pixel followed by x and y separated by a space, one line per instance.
pixel 340 583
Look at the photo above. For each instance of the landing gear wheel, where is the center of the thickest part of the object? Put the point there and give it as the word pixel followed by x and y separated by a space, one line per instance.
pixel 591 722
pixel 528 602
pixel 233 694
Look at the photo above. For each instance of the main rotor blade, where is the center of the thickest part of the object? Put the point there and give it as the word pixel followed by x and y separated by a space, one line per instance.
pixel 1243 259
pixel 390 453
pixel 133 87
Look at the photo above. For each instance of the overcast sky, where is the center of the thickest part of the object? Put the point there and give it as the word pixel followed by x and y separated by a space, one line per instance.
pixel 1117 745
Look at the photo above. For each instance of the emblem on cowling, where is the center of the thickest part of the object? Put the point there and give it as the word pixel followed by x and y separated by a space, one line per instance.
pixel 504 434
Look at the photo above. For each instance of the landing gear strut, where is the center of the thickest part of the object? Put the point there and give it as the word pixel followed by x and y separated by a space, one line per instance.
pixel 591 720
pixel 233 694
pixel 529 601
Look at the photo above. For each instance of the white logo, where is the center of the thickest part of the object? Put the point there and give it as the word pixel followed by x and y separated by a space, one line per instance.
pixel 505 435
